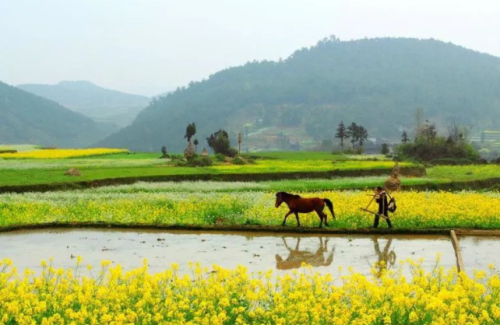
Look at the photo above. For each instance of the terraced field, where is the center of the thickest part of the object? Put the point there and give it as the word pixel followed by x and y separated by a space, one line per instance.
pixel 402 288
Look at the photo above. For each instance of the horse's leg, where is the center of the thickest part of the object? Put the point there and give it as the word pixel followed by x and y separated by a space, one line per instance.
pixel 297 217
pixel 326 218
pixel 286 216
pixel 320 215
pixel 324 215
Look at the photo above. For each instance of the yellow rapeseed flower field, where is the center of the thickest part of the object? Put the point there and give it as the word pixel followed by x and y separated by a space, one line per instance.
pixel 220 296
pixel 416 210
pixel 62 153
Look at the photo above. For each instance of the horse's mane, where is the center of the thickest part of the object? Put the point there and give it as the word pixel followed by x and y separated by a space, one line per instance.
pixel 294 196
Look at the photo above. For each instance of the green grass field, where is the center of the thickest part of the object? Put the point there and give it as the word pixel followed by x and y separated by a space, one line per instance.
pixel 464 173
pixel 49 171
pixel 25 172
pixel 314 155
pixel 127 156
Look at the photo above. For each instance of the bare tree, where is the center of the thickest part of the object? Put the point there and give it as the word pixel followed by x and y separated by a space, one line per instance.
pixel 419 121
pixel 456 132
pixel 428 132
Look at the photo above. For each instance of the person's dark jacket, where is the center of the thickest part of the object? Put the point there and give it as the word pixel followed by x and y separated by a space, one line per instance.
pixel 382 204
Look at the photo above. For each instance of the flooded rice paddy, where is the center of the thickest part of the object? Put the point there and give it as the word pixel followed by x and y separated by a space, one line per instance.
pixel 257 251
pixel 479 252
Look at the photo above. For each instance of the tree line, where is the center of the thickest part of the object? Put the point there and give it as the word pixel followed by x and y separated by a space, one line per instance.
pixel 430 146
pixel 356 133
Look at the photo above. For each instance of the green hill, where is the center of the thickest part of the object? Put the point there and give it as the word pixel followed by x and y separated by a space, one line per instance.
pixel 100 104
pixel 375 82
pixel 27 118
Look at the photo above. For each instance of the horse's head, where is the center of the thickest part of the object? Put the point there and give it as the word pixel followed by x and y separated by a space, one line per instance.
pixel 279 199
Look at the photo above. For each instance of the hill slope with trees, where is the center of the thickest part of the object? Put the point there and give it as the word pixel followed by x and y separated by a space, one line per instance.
pixel 377 83
pixel 100 104
pixel 27 118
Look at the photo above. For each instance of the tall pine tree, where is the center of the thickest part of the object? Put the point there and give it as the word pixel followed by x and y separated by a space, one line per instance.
pixel 362 135
pixel 404 138
pixel 352 132
pixel 341 134
pixel 190 131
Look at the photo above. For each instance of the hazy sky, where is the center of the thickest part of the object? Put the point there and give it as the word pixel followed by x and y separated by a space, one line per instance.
pixel 151 46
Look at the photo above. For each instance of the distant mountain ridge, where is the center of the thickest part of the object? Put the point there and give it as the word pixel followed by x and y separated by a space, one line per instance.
pixel 100 104
pixel 374 82
pixel 28 118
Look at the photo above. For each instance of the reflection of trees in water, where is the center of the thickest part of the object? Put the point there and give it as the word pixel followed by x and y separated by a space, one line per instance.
pixel 386 258
pixel 296 257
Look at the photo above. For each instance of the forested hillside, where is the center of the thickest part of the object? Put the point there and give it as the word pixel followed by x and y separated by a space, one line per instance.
pixel 100 104
pixel 27 118
pixel 375 82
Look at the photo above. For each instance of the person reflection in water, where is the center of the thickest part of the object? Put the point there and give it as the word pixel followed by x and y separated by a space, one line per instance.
pixel 386 258
pixel 296 257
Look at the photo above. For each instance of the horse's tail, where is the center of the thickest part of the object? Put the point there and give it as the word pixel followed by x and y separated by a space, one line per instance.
pixel 329 204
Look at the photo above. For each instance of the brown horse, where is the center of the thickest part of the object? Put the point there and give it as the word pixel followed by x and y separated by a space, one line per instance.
pixel 298 204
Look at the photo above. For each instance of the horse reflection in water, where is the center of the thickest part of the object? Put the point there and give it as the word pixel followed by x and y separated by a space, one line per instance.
pixel 386 258
pixel 296 257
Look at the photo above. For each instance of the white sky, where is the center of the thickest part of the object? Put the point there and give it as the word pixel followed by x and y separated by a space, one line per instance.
pixel 152 46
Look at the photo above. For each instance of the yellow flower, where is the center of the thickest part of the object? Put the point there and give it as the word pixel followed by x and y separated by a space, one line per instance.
pixel 62 153
pixel 234 296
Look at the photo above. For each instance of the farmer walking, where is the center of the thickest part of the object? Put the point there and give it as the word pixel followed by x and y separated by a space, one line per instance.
pixel 381 199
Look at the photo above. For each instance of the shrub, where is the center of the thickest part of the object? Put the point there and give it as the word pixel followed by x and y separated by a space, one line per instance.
pixel 385 149
pixel 219 142
pixel 164 153
pixel 199 161
pixel 177 157
pixel 180 163
pixel 239 161
pixel 195 161
pixel 453 161
pixel 482 161
pixel 437 149
pixel 232 152
pixel 220 157
pixel 458 161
